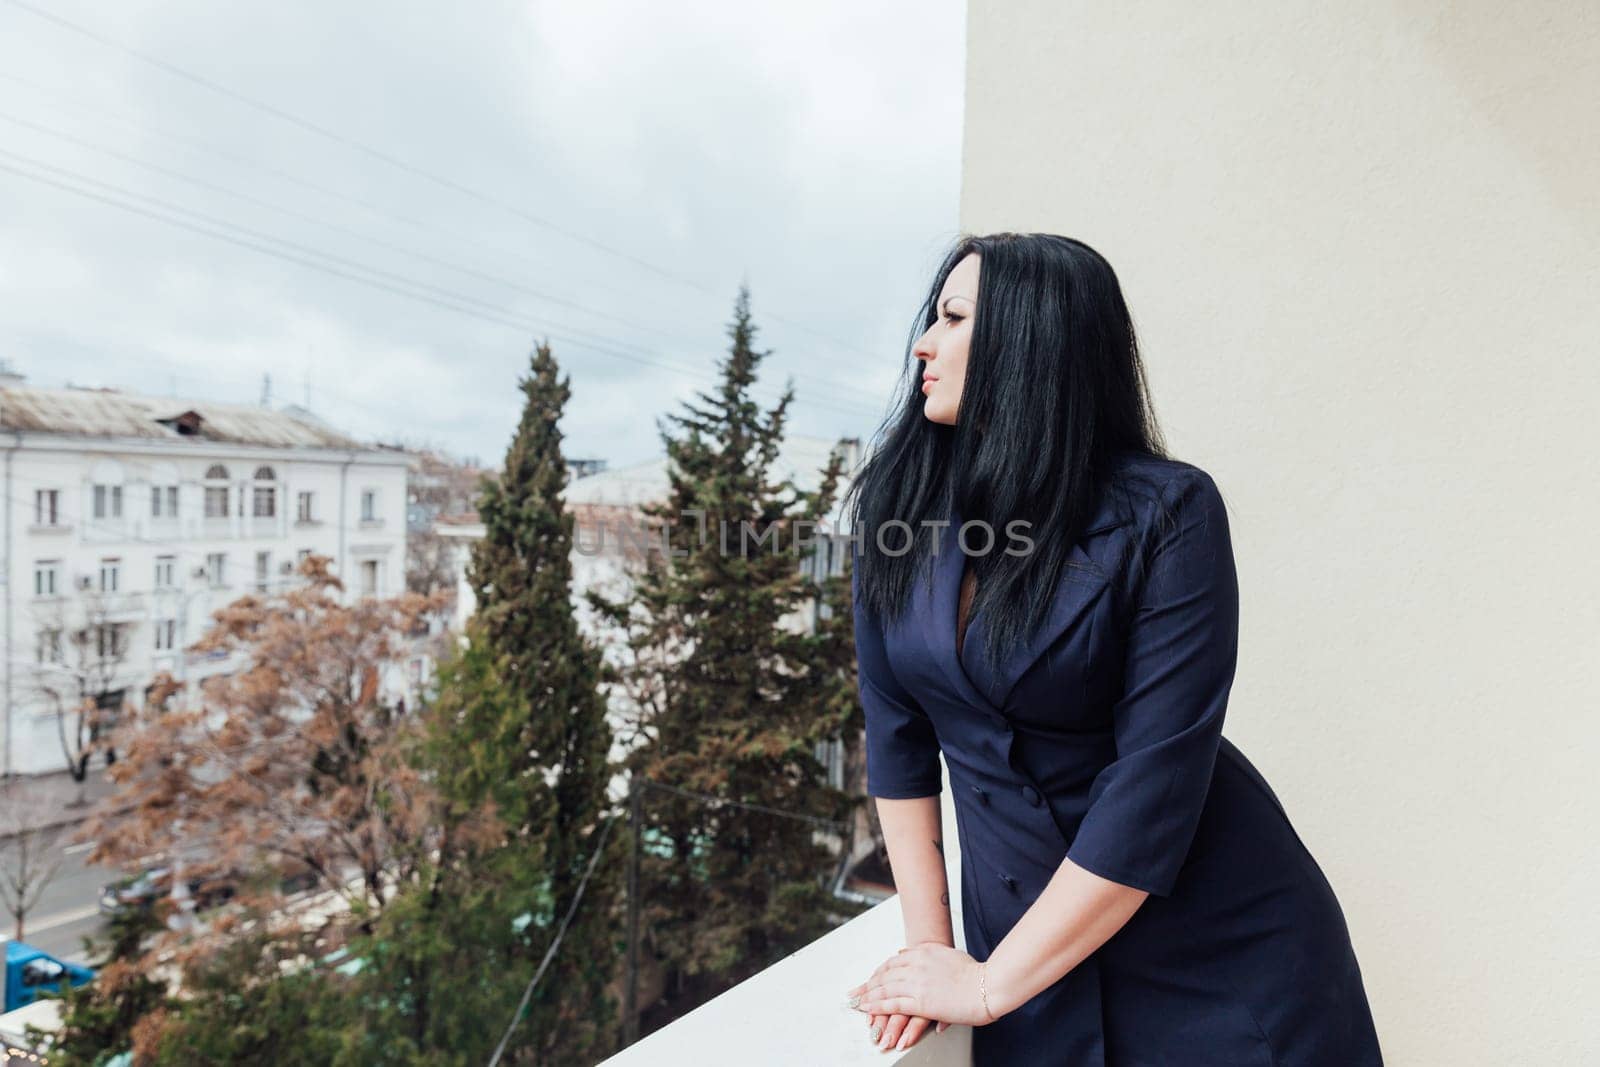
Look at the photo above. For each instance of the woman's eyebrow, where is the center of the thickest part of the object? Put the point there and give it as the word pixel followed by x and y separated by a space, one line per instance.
pixel 952 296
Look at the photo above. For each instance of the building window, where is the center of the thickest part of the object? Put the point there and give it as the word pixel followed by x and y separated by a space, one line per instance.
pixel 369 505
pixel 265 497
pixel 369 577
pixel 111 640
pixel 48 648
pixel 46 507
pixel 47 577
pixel 166 572
pixel 216 569
pixel 263 570
pixel 163 501
pixel 217 494
pixel 108 501
pixel 110 575
pixel 166 635
pixel 303 512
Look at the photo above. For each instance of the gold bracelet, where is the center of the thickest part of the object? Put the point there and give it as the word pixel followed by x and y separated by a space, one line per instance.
pixel 983 994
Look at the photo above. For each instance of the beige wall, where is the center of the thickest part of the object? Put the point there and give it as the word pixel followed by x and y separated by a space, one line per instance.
pixel 1361 242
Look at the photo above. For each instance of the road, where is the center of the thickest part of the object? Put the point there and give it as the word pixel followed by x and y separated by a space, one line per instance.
pixel 69 909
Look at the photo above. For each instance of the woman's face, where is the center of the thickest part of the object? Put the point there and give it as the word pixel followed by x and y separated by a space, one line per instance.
pixel 943 346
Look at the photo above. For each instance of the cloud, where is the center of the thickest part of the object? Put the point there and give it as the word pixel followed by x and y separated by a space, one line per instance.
pixel 603 172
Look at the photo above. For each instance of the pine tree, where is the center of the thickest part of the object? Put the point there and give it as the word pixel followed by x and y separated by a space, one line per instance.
pixel 534 744
pixel 742 701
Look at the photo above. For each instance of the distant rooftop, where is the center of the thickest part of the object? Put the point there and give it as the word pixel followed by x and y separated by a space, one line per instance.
pixel 800 457
pixel 86 412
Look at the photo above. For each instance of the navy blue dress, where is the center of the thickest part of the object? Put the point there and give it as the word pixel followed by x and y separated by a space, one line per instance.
pixel 1100 740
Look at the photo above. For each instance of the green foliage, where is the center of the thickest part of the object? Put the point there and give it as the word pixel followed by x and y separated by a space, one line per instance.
pixel 98 1017
pixel 245 1007
pixel 441 975
pixel 517 746
pixel 745 701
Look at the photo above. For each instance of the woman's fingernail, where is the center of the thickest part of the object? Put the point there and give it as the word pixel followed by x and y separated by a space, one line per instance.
pixel 877 1033
pixel 855 999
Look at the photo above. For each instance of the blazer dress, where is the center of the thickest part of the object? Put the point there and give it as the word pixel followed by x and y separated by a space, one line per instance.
pixel 1100 740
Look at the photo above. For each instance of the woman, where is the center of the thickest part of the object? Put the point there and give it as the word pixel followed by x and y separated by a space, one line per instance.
pixel 1057 611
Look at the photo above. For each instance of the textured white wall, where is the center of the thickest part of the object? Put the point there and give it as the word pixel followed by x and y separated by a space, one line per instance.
pixel 1361 242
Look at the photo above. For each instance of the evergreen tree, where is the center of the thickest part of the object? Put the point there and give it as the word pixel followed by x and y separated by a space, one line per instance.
pixel 255 1001
pixel 518 750
pixel 447 963
pixel 540 751
pixel 738 698
pixel 98 1017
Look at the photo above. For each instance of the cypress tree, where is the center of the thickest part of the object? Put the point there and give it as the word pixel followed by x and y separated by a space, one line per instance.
pixel 520 731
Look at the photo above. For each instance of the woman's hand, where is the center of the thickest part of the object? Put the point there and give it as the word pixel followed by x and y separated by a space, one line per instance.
pixel 929 980
pixel 898 1031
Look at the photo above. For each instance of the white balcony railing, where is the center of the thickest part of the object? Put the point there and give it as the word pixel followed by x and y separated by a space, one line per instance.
pixel 793 1014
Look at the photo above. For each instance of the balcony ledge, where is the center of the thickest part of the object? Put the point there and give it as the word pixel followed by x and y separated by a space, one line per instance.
pixel 793 1014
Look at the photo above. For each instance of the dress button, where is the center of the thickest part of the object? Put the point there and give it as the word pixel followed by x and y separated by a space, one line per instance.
pixel 1011 883
pixel 983 796
pixel 1031 795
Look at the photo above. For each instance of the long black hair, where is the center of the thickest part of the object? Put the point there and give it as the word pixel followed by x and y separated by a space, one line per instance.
pixel 1054 392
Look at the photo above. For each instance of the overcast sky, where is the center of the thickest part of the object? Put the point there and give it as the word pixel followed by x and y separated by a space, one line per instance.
pixel 384 203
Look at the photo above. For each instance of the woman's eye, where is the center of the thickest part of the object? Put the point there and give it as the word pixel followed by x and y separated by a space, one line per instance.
pixel 953 319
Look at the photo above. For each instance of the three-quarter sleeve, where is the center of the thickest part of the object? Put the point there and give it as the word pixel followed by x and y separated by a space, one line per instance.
pixel 1182 648
pixel 902 750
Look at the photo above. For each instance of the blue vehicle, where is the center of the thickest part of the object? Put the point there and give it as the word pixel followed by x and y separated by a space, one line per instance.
pixel 31 971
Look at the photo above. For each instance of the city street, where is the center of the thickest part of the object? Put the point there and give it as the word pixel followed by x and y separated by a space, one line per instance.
pixel 69 909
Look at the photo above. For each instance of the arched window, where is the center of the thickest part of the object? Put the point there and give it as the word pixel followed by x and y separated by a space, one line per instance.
pixel 265 497
pixel 217 493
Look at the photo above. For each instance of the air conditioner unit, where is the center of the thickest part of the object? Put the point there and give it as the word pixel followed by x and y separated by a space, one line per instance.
pixel 85 581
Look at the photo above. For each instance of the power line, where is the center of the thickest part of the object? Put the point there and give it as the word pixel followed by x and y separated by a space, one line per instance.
pixel 194 144
pixel 248 198
pixel 555 944
pixel 708 798
pixel 342 267
pixel 385 157
pixel 594 858
pixel 469 271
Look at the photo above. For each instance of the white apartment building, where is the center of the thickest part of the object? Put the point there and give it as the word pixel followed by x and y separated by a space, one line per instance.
pixel 132 518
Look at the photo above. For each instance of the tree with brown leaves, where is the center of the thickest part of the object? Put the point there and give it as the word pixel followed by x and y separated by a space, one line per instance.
pixel 295 763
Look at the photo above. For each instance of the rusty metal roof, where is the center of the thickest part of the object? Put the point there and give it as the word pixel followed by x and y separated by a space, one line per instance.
pixel 84 412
